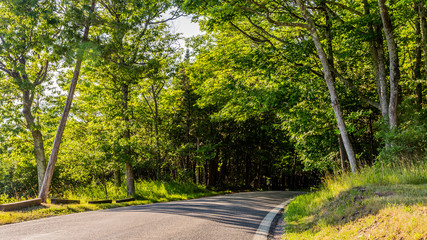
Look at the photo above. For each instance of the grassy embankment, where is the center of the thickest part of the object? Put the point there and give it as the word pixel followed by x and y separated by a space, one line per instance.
pixel 376 203
pixel 146 192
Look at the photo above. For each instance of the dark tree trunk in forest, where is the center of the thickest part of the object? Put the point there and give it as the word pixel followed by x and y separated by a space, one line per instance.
pixel 197 170
pixel 343 156
pixel 57 142
pixel 130 179
pixel 248 168
pixel 37 137
pixel 331 85
pixel 294 173
pixel 394 64
pixel 156 127
pixel 155 116
pixel 423 27
pixel 418 56
pixel 117 177
pixel 213 172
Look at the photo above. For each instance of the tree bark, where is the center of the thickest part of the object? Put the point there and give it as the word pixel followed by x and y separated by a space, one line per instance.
pixel 331 86
pixel 342 154
pixel 156 128
pixel 331 61
pixel 382 85
pixel 213 172
pixel 423 28
pixel 117 177
pixel 376 48
pixel 130 179
pixel 37 137
pixel 394 64
pixel 40 156
pixel 418 56
pixel 57 142
pixel 197 170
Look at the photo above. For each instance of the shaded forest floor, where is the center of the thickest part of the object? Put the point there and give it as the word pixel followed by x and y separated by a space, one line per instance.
pixel 386 204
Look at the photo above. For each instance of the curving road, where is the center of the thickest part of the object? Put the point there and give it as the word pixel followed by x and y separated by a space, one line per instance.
pixel 234 216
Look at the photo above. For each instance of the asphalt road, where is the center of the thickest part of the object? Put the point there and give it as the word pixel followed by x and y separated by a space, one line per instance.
pixel 233 216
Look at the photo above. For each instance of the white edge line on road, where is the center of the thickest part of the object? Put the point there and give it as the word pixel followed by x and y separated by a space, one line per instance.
pixel 264 227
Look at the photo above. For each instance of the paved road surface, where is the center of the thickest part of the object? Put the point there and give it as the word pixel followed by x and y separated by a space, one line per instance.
pixel 234 217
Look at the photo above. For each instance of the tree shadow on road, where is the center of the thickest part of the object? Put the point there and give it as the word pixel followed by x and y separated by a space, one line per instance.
pixel 243 211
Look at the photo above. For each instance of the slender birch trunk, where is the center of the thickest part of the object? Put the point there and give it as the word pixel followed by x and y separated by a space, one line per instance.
pixel 376 48
pixel 331 60
pixel 394 64
pixel 423 28
pixel 331 85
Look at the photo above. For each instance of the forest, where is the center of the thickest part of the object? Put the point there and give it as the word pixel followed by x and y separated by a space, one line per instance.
pixel 273 94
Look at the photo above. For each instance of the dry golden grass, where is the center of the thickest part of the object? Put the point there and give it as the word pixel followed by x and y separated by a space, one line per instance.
pixel 394 212
pixel 389 223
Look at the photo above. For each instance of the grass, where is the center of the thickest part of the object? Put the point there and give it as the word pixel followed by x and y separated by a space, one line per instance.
pixel 385 203
pixel 146 192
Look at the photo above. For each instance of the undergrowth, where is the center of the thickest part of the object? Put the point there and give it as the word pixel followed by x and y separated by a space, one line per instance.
pixel 144 190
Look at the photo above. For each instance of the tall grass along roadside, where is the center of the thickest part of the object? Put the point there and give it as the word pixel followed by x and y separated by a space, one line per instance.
pixel 375 203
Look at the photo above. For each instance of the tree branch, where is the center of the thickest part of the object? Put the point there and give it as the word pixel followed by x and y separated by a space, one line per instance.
pixel 41 75
pixel 174 16
pixel 356 90
pixel 255 39
pixel 317 73
pixel 345 7
pixel 269 19
pixel 263 30
pixel 148 103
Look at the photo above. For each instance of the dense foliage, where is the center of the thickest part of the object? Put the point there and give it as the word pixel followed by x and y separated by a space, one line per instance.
pixel 248 105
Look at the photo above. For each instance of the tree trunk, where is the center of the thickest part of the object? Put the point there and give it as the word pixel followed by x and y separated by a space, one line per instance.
pixel 331 61
pixel 130 179
pixel 213 172
pixel 423 26
pixel 331 86
pixel 342 153
pixel 418 61
pixel 156 128
pixel 197 170
pixel 57 142
pixel 117 177
pixel 382 87
pixel 376 48
pixel 40 157
pixel 394 64
pixel 37 137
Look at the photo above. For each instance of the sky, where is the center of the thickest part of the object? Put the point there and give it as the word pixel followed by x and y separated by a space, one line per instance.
pixel 187 28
